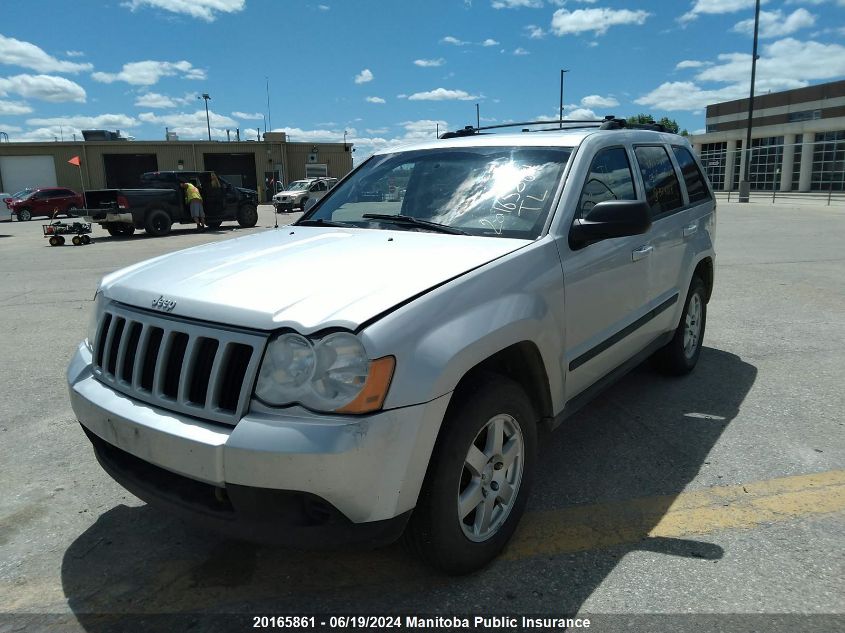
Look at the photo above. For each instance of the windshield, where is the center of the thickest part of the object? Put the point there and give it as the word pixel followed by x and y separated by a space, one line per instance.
pixel 490 191
pixel 298 185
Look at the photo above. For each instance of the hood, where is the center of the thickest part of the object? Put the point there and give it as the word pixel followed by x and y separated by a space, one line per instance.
pixel 305 278
pixel 292 194
pixel 247 192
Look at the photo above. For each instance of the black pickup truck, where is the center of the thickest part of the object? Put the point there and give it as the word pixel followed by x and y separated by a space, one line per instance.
pixel 161 202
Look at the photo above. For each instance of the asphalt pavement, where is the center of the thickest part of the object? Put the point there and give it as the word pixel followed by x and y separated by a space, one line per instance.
pixel 702 503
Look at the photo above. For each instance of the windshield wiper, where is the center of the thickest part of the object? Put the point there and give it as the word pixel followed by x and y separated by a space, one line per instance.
pixel 323 222
pixel 411 221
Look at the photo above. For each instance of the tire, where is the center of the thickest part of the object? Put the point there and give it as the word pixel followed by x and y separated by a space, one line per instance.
pixel 86 239
pixel 120 229
pixel 54 240
pixel 436 532
pixel 61 240
pixel 680 355
pixel 247 216
pixel 71 211
pixel 213 225
pixel 24 215
pixel 157 223
pixel 302 204
pixel 77 241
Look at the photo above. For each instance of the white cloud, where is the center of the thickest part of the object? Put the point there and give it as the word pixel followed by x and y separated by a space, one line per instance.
pixel 534 32
pixel 203 9
pixel 517 4
pixel 442 94
pixel 489 42
pixel 775 24
pixel 74 53
pixel 375 100
pixel 43 87
pixel 454 41
pixel 116 121
pixel 19 53
pixel 520 51
pixel 323 7
pixel 686 95
pixel 429 63
pixel 377 130
pixel 597 101
pixel 154 100
pixel 13 108
pixel 364 76
pixel 565 22
pixel 248 116
pixel 690 63
pixel 148 72
pixel 193 124
pixel 716 7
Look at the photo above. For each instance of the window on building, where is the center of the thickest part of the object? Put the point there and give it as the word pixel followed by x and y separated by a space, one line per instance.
pixel 662 189
pixel 829 162
pixel 610 178
pixel 712 127
pixel 734 184
pixel 713 157
pixel 696 187
pixel 766 161
pixel 796 164
pixel 804 115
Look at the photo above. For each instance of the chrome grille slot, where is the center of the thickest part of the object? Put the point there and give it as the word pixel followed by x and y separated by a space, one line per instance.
pixel 179 365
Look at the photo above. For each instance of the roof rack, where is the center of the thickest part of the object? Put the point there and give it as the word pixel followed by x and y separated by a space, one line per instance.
pixel 609 122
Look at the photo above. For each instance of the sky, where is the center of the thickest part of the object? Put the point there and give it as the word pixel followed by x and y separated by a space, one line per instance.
pixel 388 72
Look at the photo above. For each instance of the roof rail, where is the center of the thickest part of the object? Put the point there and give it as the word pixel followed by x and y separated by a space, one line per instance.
pixel 609 122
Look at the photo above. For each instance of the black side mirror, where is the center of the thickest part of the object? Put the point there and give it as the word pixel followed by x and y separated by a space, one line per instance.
pixel 609 219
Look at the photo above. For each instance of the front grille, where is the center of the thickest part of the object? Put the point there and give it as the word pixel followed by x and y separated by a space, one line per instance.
pixel 178 365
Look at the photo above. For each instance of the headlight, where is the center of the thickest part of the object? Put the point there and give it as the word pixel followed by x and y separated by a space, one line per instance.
pixel 331 374
pixel 94 319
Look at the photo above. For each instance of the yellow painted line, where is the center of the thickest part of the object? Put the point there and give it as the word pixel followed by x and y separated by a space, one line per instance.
pixel 745 506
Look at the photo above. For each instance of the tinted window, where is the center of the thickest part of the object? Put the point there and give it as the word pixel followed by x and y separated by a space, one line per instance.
pixel 662 189
pixel 610 178
pixel 696 189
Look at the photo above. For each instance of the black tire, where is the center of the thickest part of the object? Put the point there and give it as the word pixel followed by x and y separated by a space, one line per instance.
pixel 157 223
pixel 71 211
pixel 77 240
pixel 214 225
pixel 302 204
pixel 436 532
pixel 24 215
pixel 120 229
pixel 247 216
pixel 61 240
pixel 86 239
pixel 675 358
pixel 54 240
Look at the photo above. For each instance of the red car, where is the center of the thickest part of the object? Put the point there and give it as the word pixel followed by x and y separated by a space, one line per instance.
pixel 45 201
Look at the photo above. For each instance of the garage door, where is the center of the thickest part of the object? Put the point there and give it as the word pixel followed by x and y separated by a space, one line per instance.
pixel 20 172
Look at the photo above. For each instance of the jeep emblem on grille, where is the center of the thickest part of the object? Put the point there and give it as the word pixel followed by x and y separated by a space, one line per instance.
pixel 165 305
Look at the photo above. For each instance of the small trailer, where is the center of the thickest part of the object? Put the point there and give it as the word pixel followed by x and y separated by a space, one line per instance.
pixel 57 230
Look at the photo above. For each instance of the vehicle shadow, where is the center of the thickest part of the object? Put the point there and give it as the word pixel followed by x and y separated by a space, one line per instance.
pixel 177 230
pixel 647 437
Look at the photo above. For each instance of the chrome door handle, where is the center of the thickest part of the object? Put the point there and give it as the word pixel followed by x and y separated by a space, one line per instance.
pixel 691 229
pixel 641 252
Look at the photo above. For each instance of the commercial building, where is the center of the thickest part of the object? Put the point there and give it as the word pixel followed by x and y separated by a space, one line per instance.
pixel 797 141
pixel 107 164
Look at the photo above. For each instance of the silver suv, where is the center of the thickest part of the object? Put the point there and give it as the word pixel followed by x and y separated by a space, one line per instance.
pixel 302 194
pixel 397 382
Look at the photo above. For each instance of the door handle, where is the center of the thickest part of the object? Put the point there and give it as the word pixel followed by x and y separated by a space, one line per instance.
pixel 691 229
pixel 641 252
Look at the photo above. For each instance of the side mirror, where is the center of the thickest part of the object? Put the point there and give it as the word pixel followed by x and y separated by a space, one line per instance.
pixel 609 219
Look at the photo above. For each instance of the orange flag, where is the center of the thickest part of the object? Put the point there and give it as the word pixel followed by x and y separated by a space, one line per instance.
pixel 75 161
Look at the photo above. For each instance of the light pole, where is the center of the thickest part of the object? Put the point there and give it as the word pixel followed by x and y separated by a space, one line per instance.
pixel 207 120
pixel 562 72
pixel 477 117
pixel 744 185
pixel 344 140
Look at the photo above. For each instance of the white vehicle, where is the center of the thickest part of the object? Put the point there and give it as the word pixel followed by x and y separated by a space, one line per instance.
pixel 302 194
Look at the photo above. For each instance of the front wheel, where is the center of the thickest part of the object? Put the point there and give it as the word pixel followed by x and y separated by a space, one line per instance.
pixel 24 215
pixel 680 355
pixel 247 216
pixel 478 479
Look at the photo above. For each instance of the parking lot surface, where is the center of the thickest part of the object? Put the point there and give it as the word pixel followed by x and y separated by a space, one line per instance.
pixel 720 493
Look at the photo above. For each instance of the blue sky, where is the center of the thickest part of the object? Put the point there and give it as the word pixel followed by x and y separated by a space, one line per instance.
pixel 387 71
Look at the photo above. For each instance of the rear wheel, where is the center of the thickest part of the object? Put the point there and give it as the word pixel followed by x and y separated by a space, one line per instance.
pixel 54 240
pixel 24 215
pixel 681 354
pixel 86 239
pixel 158 223
pixel 478 479
pixel 247 216
pixel 77 240
pixel 120 229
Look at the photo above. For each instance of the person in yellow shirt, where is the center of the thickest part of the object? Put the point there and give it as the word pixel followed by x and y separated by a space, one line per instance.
pixel 193 199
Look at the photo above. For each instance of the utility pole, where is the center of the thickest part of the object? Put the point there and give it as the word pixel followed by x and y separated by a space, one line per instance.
pixel 477 117
pixel 562 72
pixel 269 120
pixel 744 185
pixel 207 120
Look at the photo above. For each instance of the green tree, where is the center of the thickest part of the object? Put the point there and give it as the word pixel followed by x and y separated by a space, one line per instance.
pixel 669 124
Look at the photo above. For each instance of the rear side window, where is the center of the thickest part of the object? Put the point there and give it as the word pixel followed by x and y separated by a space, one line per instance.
pixel 696 188
pixel 662 189
pixel 609 179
